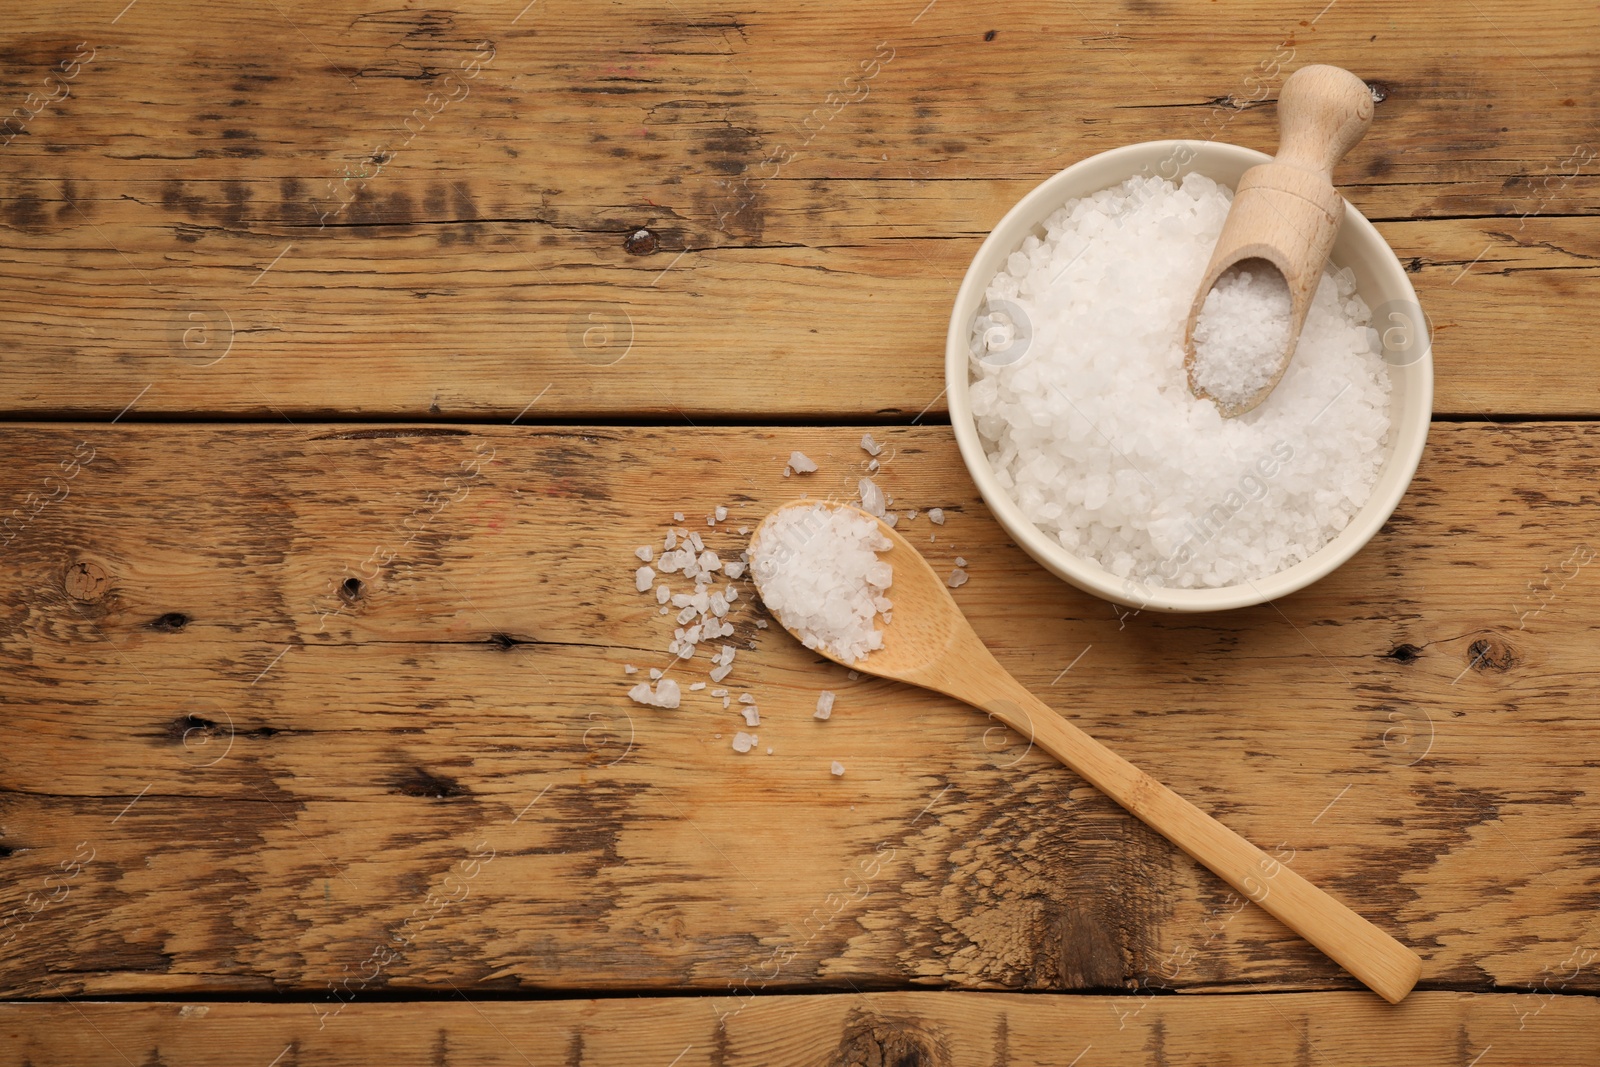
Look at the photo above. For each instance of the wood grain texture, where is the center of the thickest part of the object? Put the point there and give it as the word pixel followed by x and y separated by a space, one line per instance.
pixel 299 708
pixel 853 1030
pixel 315 210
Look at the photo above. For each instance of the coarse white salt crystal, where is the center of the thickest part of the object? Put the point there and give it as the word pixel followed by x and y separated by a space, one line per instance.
pixel 873 466
pixel 733 569
pixel 871 497
pixel 677 516
pixel 824 705
pixel 643 552
pixel 892 519
pixel 724 698
pixel 818 570
pixel 664 609
pixel 628 668
pixel 743 742
pixel 663 594
pixel 911 514
pixel 721 513
pixel 960 562
pixel 643 579
pixel 744 531
pixel 853 675
pixel 936 516
pixel 769 750
pixel 697 686
pixel 694 539
pixel 800 463
pixel 720 672
pixel 711 520
pixel 655 673
pixel 666 694
pixel 869 446
pixel 731 593
pixel 836 769
pixel 752 715
pixel 709 562
pixel 761 624
pixel 719 692
pixel 1241 332
pixel 670 541
pixel 1090 427
pixel 957 579
pixel 746 698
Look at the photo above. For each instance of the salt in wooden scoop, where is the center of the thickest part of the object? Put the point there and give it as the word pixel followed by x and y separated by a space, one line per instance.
pixel 1285 216
pixel 930 644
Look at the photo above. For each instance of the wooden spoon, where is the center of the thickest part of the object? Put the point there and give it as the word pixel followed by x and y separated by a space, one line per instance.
pixel 931 644
pixel 1287 212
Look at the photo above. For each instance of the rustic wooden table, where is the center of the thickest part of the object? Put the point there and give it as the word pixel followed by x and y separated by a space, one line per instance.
pixel 350 352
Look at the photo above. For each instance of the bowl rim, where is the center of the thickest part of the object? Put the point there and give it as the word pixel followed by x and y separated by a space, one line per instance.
pixel 1407 441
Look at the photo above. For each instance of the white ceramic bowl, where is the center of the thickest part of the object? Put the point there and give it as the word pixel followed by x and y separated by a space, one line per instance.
pixel 1382 283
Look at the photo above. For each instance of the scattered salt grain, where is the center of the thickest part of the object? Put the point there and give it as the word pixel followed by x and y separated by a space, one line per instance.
pixel 824 705
pixel 1092 432
pixel 677 516
pixel 752 715
pixel 871 497
pixel 671 540
pixel 643 552
pixel 666 694
pixel 769 750
pixel 936 516
pixel 655 674
pixel 799 463
pixel 720 672
pixel 960 562
pixel 663 593
pixel 873 466
pixel 696 687
pixel 819 572
pixel 643 579
pixel 836 769
pixel 869 446
pixel 628 668
pixel 721 512
pixel 853 675
pixel 957 579
pixel 744 531
pixel 761 624
pixel 743 742
pixel 746 698
pixel 912 514
pixel 724 699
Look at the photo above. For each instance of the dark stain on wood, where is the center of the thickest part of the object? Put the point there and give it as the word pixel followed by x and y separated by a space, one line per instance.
pixel 420 783
pixel 1002 1041
pixel 871 1039
pixel 1406 654
pixel 1088 953
pixel 575 1049
pixel 1491 653
pixel 179 730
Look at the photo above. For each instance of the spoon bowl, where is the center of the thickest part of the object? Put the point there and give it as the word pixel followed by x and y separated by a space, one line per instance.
pixel 930 644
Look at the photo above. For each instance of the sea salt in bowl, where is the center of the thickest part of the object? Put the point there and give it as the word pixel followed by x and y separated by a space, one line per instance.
pixel 1380 281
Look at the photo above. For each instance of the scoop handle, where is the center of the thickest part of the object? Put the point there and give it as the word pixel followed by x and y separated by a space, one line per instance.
pixel 1383 964
pixel 1322 112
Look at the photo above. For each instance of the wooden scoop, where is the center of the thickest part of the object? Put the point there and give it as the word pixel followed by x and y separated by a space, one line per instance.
pixel 931 644
pixel 1287 212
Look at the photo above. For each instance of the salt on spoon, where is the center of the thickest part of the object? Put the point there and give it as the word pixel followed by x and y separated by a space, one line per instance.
pixel 818 568
pixel 1254 295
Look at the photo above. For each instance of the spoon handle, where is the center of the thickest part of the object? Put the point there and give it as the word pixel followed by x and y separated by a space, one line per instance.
pixel 1378 960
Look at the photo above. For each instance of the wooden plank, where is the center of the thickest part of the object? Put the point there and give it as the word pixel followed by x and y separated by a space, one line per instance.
pixel 944 1029
pixel 264 222
pixel 224 768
